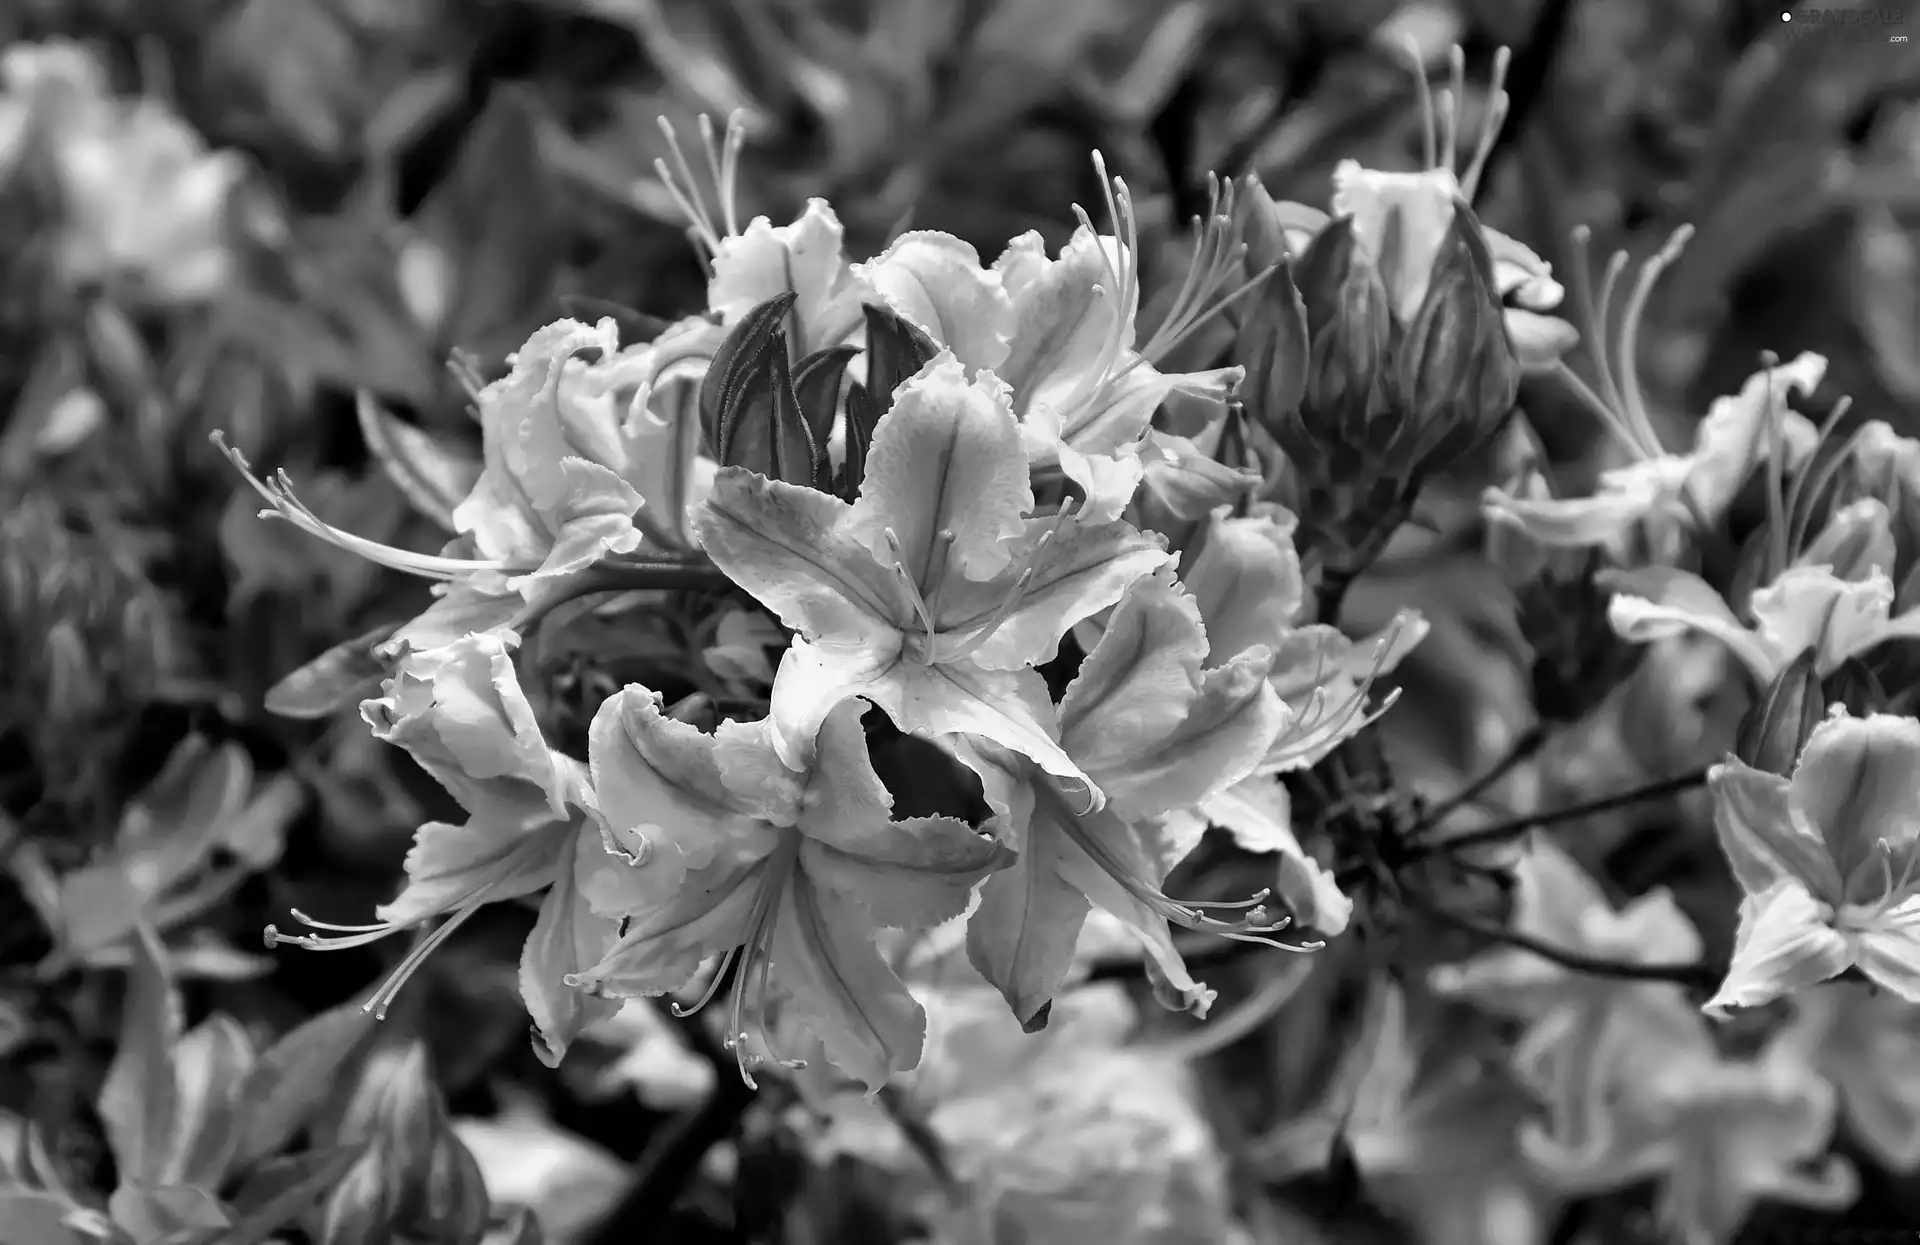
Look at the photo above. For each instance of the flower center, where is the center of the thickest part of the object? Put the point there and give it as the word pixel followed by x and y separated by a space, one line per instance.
pixel 934 648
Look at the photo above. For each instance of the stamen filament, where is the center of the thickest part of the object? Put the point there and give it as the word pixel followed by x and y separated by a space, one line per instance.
pixel 689 199
pixel 1429 151
pixel 1457 83
pixel 714 984
pixel 1498 103
pixel 1630 330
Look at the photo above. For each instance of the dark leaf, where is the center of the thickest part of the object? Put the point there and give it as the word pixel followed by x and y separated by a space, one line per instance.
pixel 636 327
pixel 896 351
pixel 140 1101
pixel 862 414
pixel 816 383
pixel 296 1077
pixel 343 675
pixel 281 1190
pixel 738 358
pixel 435 475
pixel 765 430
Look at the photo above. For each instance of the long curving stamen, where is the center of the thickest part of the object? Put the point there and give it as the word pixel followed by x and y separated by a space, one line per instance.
pixel 714 984
pixel 1035 559
pixel 1498 104
pixel 747 1016
pixel 1457 84
pixel 1811 483
pixel 912 588
pixel 685 189
pixel 1630 319
pixel 285 505
pixel 1429 148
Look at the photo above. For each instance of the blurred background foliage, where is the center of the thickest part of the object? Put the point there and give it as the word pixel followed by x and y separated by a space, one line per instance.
pixel 280 203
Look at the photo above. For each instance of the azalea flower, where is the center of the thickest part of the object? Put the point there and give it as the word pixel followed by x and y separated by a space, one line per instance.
pixel 1806 608
pixel 1828 860
pixel 1570 1016
pixel 1659 495
pixel 1157 732
pixel 532 825
pixel 1867 1043
pixel 784 873
pixel 934 593
pixel 143 202
pixel 574 480
pixel 1245 576
pixel 1719 1135
pixel 1433 1138
pixel 1402 220
pixel 1061 332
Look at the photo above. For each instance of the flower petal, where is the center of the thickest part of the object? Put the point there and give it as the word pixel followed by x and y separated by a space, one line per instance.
pixel 1023 935
pixel 945 466
pixel 1784 944
pixel 824 961
pixel 1247 579
pixel 568 937
pixel 1659 602
pixel 1259 815
pixel 805 257
pixel 1231 722
pixel 1889 951
pixel 1857 784
pixel 1809 607
pixel 490 858
pixel 1737 433
pixel 660 788
pixel 789 547
pixel 682 919
pixel 936 281
pixel 1135 687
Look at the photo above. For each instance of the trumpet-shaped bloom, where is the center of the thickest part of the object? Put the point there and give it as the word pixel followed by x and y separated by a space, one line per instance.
pixel 1829 861
pixel 785 873
pixel 1433 1139
pixel 1807 607
pixel 1719 1135
pixel 1570 1016
pixel 1061 333
pixel 806 257
pixel 1662 494
pixel 1867 1043
pixel 460 711
pixel 934 593
pixel 1158 734
pixel 582 466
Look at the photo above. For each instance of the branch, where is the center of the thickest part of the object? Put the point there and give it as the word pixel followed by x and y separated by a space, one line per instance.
pixel 1538 821
pixel 1699 975
pixel 1521 751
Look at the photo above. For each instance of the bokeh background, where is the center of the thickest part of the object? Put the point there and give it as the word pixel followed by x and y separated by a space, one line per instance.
pixel 238 215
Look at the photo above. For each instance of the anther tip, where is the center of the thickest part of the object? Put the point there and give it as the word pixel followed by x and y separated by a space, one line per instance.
pixel 273 937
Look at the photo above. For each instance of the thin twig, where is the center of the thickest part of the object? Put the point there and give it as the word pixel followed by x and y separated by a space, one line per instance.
pixel 919 1134
pixel 1697 975
pixel 1519 753
pixel 1521 825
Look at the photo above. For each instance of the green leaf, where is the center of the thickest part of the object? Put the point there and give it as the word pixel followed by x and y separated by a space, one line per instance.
pixel 297 1076
pixel 435 475
pixel 733 365
pixel 281 1190
pixel 342 676
pixel 140 1101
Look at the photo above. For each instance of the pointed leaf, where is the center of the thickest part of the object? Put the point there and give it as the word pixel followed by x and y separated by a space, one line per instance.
pixel 140 1101
pixel 281 1190
pixel 816 383
pixel 764 429
pixel 739 356
pixel 636 327
pixel 862 414
pixel 337 679
pixel 295 1077
pixel 435 475
pixel 896 351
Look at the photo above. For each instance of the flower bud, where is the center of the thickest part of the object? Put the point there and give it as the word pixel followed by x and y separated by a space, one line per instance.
pixel 1272 346
pixel 1456 375
pixel 454 1207
pixel 1856 686
pixel 1776 727
pixel 361 1208
pixel 1256 223
pixel 1350 328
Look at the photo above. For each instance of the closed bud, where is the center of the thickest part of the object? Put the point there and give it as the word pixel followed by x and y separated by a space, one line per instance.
pixel 455 1207
pixel 361 1209
pixel 397 1107
pixel 1456 375
pixel 1272 346
pixel 1857 687
pixel 1777 726
pixel 1256 223
pixel 1350 328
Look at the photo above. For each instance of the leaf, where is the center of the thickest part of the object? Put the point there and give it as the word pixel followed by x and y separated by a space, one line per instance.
pixel 140 1101
pixel 816 383
pixel 896 351
pixel 635 326
pixel 30 1218
pixel 498 215
pixel 281 1190
pixel 862 415
pixel 435 475
pixel 343 675
pixel 295 1077
pixel 734 364
pixel 210 1067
